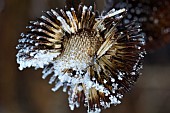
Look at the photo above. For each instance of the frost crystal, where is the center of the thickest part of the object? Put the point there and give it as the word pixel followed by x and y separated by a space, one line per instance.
pixel 95 59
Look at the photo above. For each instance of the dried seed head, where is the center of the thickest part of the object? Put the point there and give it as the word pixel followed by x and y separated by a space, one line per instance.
pixel 95 59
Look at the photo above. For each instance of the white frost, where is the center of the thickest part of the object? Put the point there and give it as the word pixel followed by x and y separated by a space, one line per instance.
pixel 39 60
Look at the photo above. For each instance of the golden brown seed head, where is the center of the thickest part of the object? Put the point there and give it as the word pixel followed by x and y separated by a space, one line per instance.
pixel 95 59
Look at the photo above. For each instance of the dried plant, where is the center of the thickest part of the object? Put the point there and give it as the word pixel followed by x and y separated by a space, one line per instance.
pixel 95 58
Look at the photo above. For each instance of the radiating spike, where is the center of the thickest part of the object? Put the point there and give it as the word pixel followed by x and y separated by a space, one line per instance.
pixel 49 39
pixel 47 26
pixel 85 11
pixel 111 13
pixel 65 16
pixel 88 17
pixel 57 46
pixel 52 79
pixel 111 33
pixel 50 14
pixel 91 72
pixel 65 26
pixel 92 20
pixel 83 17
pixel 72 21
pixel 48 20
pixel 105 46
pixel 99 25
pixel 43 31
pixel 65 87
pixel 54 13
pixel 57 86
pixel 74 16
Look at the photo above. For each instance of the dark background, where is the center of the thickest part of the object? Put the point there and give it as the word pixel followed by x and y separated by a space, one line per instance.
pixel 25 91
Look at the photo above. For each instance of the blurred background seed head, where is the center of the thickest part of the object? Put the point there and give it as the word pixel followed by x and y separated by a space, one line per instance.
pixel 25 91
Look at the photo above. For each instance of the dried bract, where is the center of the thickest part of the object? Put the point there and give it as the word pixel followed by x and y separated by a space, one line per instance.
pixel 95 59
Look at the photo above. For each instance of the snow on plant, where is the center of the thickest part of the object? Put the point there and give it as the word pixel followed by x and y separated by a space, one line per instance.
pixel 96 59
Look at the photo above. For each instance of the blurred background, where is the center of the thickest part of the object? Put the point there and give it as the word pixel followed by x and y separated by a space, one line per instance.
pixel 26 92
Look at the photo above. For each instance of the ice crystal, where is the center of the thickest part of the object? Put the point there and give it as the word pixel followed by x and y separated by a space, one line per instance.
pixel 96 59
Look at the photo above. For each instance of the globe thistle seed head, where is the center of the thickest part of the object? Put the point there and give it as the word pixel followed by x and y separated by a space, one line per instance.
pixel 96 59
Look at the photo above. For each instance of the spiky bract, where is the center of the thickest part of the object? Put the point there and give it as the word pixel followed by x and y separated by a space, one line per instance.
pixel 95 59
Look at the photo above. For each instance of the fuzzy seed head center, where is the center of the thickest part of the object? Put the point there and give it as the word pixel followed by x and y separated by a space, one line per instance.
pixel 80 49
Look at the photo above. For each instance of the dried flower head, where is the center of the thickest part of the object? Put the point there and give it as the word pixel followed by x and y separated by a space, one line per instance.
pixel 95 58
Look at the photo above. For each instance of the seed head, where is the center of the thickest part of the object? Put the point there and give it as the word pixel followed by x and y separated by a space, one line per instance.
pixel 95 58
